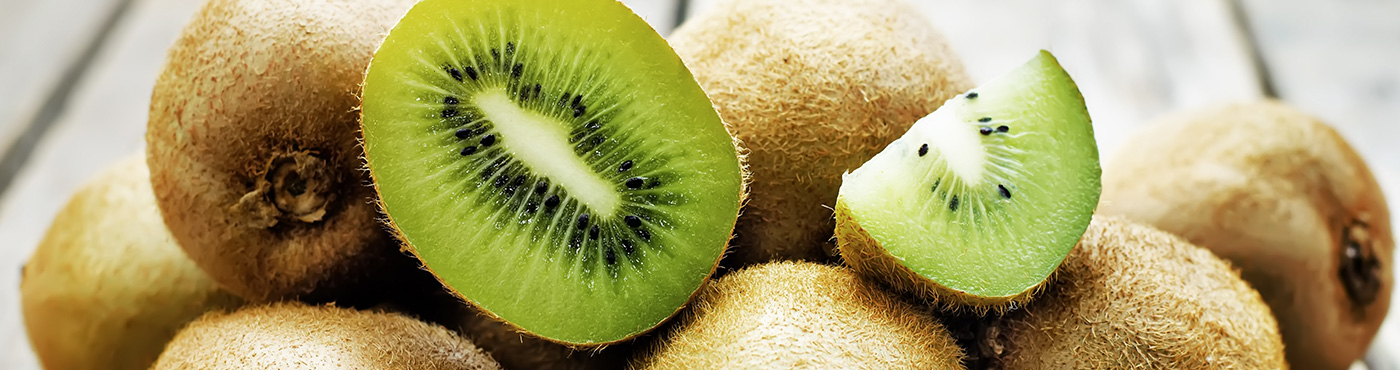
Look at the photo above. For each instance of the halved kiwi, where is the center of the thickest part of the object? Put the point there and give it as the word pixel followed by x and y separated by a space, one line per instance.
pixel 982 199
pixel 552 162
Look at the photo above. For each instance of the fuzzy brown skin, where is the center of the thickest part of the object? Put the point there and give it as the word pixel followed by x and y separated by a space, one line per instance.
pixel 1130 296
pixel 428 300
pixel 813 88
pixel 1279 194
pixel 108 287
pixel 252 145
pixel 296 336
pixel 800 315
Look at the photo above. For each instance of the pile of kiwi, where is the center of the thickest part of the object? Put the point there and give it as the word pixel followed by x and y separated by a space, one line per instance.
pixel 545 184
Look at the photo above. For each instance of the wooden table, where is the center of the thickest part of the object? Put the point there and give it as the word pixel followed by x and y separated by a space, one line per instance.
pixel 78 75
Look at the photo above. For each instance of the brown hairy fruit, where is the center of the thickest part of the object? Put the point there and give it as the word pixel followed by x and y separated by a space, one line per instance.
pixel 296 336
pixel 1130 296
pixel 108 287
pixel 426 299
pixel 1283 197
pixel 787 315
pixel 252 144
pixel 813 88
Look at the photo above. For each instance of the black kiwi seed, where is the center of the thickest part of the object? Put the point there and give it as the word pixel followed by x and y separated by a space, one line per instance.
pixel 972 95
pixel 612 257
pixel 1004 192
pixel 953 204
pixel 592 125
pixel 496 54
pixel 531 207
pixel 923 149
pixel 985 130
pixel 469 150
pixel 578 111
pixel 541 187
pixel 449 113
pixel 632 221
pixel 644 234
pixel 635 183
pixel 510 48
pixel 451 100
pixel 519 180
pixel 456 74
pixel 552 202
pixel 488 140
pixel 464 133
pixel 501 181
pixel 578 101
pixel 535 93
pixel 626 165
pixel 1003 128
pixel 471 72
pixel 582 221
pixel 593 232
pixel 984 119
pixel 627 247
pixel 516 71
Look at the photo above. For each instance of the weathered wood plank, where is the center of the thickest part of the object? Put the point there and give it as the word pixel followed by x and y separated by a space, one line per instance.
pixel 105 121
pixel 1340 60
pixel 42 46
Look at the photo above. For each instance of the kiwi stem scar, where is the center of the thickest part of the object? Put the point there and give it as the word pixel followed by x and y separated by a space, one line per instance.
pixel 542 143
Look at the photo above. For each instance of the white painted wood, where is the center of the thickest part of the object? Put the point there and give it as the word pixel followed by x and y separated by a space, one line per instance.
pixel 38 40
pixel 105 121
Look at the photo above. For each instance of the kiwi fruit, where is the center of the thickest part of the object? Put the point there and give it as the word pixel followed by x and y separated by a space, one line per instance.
pixel 107 287
pixel 1282 196
pixel 551 162
pixel 813 88
pixel 298 336
pixel 802 315
pixel 982 199
pixel 1130 296
pixel 252 145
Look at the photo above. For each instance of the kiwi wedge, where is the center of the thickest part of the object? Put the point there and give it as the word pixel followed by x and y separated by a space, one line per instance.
pixel 981 200
pixel 298 336
pixel 108 287
pixel 813 88
pixel 552 162
pixel 252 148
pixel 802 315
pixel 1133 297
pixel 1280 194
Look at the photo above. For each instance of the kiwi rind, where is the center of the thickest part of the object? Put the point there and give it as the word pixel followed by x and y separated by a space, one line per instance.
pixel 298 336
pixel 1131 296
pixel 253 148
pixel 108 287
pixel 801 315
pixel 1040 90
pixel 580 317
pixel 1280 194
pixel 813 88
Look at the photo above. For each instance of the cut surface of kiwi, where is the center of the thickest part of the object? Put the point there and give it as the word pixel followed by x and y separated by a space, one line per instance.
pixel 982 199
pixel 552 162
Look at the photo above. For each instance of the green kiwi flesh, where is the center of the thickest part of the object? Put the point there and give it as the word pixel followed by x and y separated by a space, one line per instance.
pixel 552 162
pixel 982 199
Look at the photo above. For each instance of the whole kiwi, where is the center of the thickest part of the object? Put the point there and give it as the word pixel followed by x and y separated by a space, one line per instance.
pixel 1130 296
pixel 297 336
pixel 107 287
pixel 1283 197
pixel 814 88
pixel 252 145
pixel 801 315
